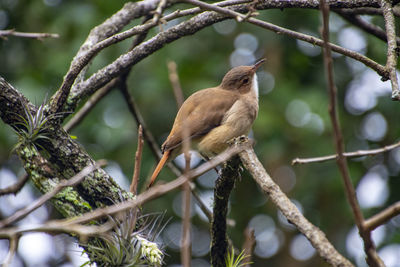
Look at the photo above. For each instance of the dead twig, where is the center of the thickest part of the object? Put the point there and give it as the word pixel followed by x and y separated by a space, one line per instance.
pixel 34 35
pixel 159 10
pixel 382 217
pixel 14 239
pixel 369 247
pixel 186 201
pixel 176 86
pixel 76 179
pixel 358 153
pixel 138 159
pixel 148 136
pixel 364 25
pixel 316 237
pixel 248 246
pixel 186 225
pixel 15 188
pixel 159 190
pixel 58 226
pixel 89 105
pixel 392 50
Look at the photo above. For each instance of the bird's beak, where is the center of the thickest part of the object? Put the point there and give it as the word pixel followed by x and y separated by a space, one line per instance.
pixel 258 64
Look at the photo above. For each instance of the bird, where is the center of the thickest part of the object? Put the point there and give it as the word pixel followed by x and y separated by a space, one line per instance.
pixel 213 116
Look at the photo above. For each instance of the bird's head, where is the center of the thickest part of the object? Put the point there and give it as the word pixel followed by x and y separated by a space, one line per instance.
pixel 241 78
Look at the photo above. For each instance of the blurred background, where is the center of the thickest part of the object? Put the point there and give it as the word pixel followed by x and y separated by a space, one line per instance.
pixel 293 121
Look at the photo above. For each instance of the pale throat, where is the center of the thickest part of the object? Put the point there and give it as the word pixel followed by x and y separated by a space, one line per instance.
pixel 255 85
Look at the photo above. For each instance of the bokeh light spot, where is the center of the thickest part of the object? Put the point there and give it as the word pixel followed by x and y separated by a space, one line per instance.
pixel 374 127
pixel 298 113
pixel 308 49
pixel 266 82
pixel 246 41
pixel 3 19
pixel 32 252
pixel 352 39
pixel 372 191
pixel 301 249
pixel 241 57
pixel 225 27
pixel 390 255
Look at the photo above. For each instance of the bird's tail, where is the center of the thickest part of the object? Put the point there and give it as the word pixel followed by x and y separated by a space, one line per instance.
pixel 160 165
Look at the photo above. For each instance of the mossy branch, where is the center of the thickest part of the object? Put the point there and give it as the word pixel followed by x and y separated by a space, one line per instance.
pixel 222 190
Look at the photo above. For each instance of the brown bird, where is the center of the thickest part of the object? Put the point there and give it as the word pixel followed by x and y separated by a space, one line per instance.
pixel 213 116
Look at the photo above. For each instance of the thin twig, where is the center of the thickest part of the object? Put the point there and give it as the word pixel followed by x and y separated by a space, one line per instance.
pixel 316 237
pixel 138 159
pixel 204 208
pixel 159 190
pixel 186 225
pixel 76 179
pixel 102 92
pixel 366 26
pixel 33 35
pixel 15 188
pixel 74 225
pixel 59 226
pixel 176 86
pixel 79 63
pixel 382 217
pixel 89 105
pixel 159 10
pixel 366 11
pixel 248 245
pixel 392 52
pixel 14 239
pixel 148 136
pixel 186 201
pixel 369 247
pixel 358 153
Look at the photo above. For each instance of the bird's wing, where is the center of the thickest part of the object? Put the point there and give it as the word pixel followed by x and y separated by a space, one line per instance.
pixel 199 114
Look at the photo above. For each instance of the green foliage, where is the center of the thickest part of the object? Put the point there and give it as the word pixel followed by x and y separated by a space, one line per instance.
pixel 232 261
pixel 131 243
pixel 33 128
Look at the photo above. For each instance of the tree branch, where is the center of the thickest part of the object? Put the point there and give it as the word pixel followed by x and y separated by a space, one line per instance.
pixel 138 160
pixel 289 210
pixel 381 70
pixel 364 25
pixel 60 186
pixel 159 190
pixel 369 247
pixel 33 35
pixel 222 190
pixel 203 20
pixel 392 51
pixel 89 105
pixel 15 188
pixel 382 217
pixel 14 239
pixel 358 153
pixel 98 189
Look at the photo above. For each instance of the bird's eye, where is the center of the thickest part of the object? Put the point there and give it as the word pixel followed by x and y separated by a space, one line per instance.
pixel 245 80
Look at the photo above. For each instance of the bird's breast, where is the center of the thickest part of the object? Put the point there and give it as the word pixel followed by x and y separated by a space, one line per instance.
pixel 242 115
pixel 237 121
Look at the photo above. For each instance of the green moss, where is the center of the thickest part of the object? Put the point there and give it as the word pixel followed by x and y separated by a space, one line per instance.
pixel 70 203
